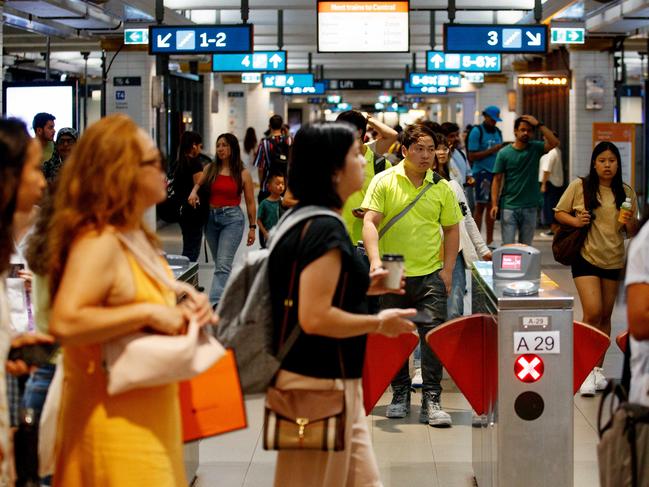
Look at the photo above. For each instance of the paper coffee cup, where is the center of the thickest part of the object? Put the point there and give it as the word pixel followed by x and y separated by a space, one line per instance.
pixel 393 263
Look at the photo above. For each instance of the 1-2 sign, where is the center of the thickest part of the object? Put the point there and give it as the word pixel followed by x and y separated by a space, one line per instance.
pixel 165 39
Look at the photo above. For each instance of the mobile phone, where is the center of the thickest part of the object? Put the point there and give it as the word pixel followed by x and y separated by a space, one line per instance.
pixel 14 269
pixel 422 317
pixel 37 354
pixel 358 212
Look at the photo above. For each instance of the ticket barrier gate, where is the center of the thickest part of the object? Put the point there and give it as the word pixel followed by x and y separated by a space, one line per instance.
pixel 516 362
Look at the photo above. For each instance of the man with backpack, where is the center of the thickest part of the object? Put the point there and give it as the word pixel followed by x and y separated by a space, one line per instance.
pixel 484 142
pixel 376 163
pixel 272 155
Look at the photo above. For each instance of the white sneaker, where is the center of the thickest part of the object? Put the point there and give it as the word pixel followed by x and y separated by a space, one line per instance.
pixel 600 379
pixel 588 388
pixel 417 380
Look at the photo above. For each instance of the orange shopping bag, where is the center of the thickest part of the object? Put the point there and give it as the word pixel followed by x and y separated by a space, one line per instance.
pixel 212 403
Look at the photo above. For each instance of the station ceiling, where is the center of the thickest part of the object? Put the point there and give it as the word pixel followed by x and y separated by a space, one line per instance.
pixel 76 25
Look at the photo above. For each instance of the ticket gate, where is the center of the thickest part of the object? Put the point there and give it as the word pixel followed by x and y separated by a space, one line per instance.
pixel 516 363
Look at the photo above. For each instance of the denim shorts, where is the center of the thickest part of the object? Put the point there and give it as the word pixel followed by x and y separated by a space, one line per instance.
pixel 483 186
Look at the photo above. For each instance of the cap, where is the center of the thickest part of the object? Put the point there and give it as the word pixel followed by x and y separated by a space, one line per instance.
pixel 492 112
pixel 68 131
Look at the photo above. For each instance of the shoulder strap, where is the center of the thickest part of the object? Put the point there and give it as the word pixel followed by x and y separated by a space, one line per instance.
pixel 583 189
pixel 403 212
pixel 379 164
pixel 295 216
pixel 481 130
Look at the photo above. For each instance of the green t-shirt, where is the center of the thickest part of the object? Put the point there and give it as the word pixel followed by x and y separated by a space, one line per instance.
pixel 418 234
pixel 355 225
pixel 521 175
pixel 268 212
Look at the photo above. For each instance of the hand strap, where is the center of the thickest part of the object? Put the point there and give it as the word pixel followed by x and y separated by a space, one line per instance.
pixel 403 212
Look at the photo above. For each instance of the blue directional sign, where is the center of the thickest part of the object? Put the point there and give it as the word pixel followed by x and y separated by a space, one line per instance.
pixel 495 38
pixel 446 61
pixel 318 88
pixel 191 39
pixel 408 89
pixel 249 62
pixel 439 80
pixel 136 36
pixel 291 80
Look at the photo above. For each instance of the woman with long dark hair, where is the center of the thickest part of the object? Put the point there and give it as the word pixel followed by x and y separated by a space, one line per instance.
pixel 329 305
pixel 227 179
pixel 21 187
pixel 598 269
pixel 187 173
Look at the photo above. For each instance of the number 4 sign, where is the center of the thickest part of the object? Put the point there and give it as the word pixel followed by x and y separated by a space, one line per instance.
pixel 537 342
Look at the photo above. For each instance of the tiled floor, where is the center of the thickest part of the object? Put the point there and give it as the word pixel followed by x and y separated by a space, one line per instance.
pixel 408 453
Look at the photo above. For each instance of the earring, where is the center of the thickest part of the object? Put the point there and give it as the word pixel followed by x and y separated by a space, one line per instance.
pixel 337 179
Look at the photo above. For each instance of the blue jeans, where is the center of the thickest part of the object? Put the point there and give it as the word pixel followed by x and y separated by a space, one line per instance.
pixel 36 388
pixel 424 293
pixel 521 219
pixel 455 300
pixel 223 232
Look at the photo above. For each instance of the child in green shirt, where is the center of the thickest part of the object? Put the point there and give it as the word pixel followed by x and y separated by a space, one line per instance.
pixel 270 209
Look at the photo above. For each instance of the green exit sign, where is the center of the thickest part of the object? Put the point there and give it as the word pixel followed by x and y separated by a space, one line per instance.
pixel 568 35
pixel 136 36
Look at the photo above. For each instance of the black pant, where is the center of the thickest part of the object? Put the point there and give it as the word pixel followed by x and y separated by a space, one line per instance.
pixel 192 231
pixel 423 293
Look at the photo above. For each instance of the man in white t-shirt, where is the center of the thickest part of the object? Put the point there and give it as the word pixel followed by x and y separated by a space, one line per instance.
pixel 551 179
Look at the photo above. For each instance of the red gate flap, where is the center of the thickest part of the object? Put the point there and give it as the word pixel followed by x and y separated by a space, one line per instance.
pixel 589 346
pixel 468 348
pixel 622 340
pixel 383 358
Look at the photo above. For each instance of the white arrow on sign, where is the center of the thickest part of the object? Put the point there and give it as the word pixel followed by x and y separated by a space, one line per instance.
pixel 573 35
pixel 164 41
pixel 275 60
pixel 534 39
pixel 437 60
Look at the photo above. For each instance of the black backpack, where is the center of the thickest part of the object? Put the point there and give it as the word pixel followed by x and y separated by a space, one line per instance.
pixel 278 149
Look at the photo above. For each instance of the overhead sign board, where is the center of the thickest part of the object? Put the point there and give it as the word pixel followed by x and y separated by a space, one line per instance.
pixel 191 39
pixel 474 77
pixel 515 38
pixel 318 88
pixel 365 84
pixel 440 80
pixel 136 36
pixel 249 62
pixel 408 89
pixel 362 26
pixel 251 78
pixel 291 80
pixel 446 61
pixel 567 35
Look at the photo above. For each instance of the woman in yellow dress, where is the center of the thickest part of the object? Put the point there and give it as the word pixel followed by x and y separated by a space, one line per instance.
pixel 100 293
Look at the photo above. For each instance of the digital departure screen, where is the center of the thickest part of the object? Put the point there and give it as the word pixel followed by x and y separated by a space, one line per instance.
pixel 511 262
pixel 362 26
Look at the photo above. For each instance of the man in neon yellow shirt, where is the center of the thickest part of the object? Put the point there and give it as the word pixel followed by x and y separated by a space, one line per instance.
pixel 376 163
pixel 417 235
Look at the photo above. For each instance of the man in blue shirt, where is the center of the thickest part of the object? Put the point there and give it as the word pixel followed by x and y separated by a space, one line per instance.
pixel 484 142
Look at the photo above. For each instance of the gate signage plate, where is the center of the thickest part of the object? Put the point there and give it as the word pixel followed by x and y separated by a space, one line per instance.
pixel 537 342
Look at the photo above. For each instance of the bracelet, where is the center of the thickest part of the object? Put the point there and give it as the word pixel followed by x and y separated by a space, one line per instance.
pixel 252 226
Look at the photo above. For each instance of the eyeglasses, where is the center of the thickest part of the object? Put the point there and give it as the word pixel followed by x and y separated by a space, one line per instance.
pixel 442 151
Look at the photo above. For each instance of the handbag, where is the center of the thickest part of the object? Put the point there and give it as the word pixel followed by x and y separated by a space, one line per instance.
pixel 143 359
pixel 568 241
pixel 623 448
pixel 299 419
pixel 212 402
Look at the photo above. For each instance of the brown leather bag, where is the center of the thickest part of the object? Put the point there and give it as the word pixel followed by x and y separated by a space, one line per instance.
pixel 304 420
pixel 568 241
pixel 299 419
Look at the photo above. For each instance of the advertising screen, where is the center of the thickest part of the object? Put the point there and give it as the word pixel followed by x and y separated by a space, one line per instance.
pixel 362 26
pixel 511 262
pixel 24 100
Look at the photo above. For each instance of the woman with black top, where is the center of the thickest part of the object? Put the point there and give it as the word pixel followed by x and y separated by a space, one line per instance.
pixel 330 306
pixel 188 172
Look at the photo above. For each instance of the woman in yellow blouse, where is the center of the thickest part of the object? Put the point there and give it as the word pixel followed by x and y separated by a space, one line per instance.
pixel 598 270
pixel 99 293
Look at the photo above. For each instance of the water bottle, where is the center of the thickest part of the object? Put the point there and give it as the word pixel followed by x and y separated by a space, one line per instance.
pixel 625 208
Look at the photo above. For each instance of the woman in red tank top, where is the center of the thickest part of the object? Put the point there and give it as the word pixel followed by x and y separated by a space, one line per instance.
pixel 227 179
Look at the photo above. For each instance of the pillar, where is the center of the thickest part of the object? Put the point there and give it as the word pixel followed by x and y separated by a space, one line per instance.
pixel 583 64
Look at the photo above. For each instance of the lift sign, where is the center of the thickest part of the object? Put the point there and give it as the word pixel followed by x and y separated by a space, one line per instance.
pixel 537 342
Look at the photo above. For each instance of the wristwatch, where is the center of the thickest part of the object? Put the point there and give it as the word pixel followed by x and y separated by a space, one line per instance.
pixel 252 226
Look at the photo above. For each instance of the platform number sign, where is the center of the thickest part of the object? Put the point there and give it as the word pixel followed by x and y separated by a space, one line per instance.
pixel 513 38
pixel 191 39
